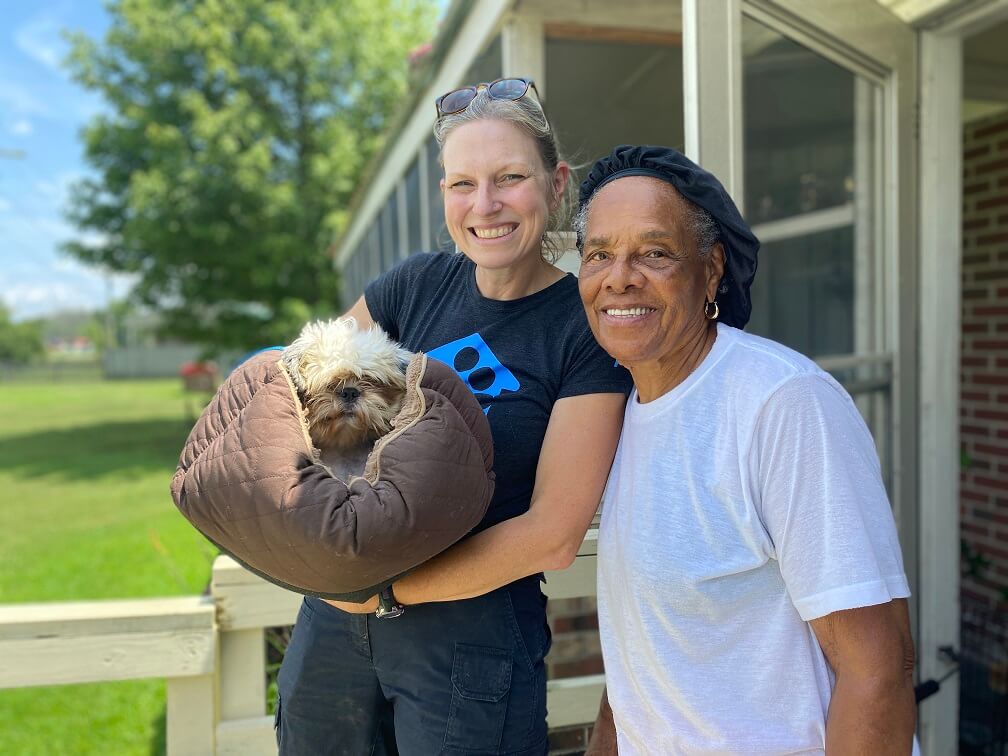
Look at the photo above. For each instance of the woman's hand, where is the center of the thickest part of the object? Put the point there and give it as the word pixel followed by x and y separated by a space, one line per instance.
pixel 367 607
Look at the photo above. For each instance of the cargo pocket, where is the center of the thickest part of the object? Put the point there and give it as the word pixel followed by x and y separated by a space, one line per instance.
pixel 481 681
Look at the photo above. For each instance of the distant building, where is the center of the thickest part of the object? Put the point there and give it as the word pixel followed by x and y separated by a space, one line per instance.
pixel 76 346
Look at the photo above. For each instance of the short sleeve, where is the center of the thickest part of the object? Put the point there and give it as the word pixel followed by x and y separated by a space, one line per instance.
pixel 386 295
pixel 589 369
pixel 822 500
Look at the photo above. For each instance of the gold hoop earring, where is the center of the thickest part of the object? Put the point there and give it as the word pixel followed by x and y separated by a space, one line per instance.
pixel 707 310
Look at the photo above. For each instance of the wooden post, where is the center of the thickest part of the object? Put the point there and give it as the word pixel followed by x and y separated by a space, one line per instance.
pixel 246 604
pixel 712 83
pixel 242 674
pixel 940 324
pixel 523 49
pixel 191 716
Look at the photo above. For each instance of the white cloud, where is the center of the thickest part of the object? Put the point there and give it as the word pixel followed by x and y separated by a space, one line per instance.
pixel 55 190
pixel 30 300
pixel 19 100
pixel 49 289
pixel 40 40
pixel 31 236
pixel 36 231
pixel 35 278
pixel 30 295
pixel 22 127
pixel 71 266
pixel 50 190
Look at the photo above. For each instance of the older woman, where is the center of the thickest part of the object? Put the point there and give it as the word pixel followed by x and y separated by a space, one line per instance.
pixel 752 598
pixel 461 670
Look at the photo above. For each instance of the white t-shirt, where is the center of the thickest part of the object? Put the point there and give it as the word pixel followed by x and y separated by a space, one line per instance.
pixel 741 504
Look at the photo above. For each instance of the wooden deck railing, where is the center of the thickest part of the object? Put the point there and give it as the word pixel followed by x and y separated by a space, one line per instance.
pixel 211 651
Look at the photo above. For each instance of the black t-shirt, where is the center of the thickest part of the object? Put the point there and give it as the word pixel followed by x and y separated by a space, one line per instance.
pixel 517 356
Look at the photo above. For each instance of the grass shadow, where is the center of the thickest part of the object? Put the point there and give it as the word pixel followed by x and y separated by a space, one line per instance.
pixel 159 738
pixel 88 452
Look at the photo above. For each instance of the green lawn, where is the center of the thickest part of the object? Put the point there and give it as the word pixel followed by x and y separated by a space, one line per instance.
pixel 85 514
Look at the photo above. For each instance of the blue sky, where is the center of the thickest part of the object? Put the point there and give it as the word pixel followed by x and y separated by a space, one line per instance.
pixel 41 113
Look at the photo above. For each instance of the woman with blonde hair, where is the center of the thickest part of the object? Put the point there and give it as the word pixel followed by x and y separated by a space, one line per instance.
pixel 451 659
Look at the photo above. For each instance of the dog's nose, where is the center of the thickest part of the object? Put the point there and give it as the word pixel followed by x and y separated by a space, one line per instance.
pixel 350 394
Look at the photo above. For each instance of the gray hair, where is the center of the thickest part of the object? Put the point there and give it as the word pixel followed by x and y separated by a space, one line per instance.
pixel 527 115
pixel 701 224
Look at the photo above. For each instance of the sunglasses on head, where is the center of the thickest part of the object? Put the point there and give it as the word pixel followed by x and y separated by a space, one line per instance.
pixel 501 89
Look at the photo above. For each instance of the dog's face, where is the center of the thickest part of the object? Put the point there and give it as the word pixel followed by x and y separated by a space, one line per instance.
pixel 351 382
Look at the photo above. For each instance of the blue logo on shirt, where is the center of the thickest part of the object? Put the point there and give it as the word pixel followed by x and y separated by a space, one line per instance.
pixel 478 366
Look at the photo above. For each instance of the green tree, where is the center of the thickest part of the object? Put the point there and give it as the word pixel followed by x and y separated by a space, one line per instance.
pixel 236 133
pixel 19 342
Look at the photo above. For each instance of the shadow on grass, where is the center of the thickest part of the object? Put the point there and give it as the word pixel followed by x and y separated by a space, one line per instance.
pixel 92 451
pixel 159 739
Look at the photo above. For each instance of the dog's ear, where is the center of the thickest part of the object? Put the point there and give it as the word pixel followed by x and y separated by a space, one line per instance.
pixel 291 359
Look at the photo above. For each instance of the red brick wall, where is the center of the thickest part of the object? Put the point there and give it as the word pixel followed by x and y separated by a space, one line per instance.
pixel 576 650
pixel 984 363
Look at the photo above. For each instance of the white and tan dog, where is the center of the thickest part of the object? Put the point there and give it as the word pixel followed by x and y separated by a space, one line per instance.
pixel 351 383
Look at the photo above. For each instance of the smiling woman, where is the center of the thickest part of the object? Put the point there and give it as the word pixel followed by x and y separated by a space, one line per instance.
pixel 462 669
pixel 645 282
pixel 498 199
pixel 745 502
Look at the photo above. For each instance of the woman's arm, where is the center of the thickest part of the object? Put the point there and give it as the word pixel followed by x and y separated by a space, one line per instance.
pixel 576 455
pixel 872 709
pixel 603 737
pixel 574 464
pixel 361 312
